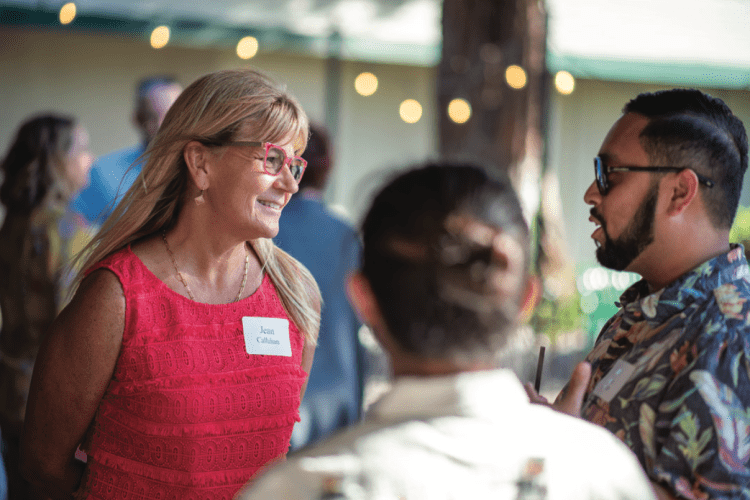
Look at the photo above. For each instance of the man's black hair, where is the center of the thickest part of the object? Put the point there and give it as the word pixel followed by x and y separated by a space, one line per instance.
pixel 689 128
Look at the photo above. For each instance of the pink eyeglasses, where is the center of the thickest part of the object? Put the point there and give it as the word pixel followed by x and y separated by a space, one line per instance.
pixel 275 159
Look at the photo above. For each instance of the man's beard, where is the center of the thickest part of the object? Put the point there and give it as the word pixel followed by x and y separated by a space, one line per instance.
pixel 618 254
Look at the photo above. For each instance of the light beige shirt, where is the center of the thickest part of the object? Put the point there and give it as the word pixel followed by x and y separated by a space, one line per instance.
pixel 471 436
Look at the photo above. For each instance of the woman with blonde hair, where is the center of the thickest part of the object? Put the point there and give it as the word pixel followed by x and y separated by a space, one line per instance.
pixel 179 365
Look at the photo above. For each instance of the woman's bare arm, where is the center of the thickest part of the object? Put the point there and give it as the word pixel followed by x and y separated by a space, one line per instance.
pixel 74 366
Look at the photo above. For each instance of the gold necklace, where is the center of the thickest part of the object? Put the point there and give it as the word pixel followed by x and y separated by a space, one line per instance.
pixel 182 278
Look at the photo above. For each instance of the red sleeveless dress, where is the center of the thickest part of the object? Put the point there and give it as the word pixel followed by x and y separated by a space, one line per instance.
pixel 188 413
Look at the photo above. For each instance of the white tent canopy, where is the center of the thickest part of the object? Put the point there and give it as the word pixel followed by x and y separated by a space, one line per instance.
pixel 699 42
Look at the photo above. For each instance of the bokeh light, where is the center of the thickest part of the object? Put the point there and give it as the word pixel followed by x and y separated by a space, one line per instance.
pixel 515 76
pixel 410 111
pixel 597 278
pixel 459 110
pixel 67 13
pixel 160 37
pixel 565 83
pixel 247 47
pixel 366 84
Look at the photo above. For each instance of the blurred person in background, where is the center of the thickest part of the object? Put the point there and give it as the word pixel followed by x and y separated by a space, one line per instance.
pixel 669 373
pixel 329 247
pixel 46 165
pixel 114 173
pixel 443 285
pixel 181 360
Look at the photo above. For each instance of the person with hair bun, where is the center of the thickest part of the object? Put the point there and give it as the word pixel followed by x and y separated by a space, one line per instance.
pixel 179 365
pixel 443 284
pixel 46 165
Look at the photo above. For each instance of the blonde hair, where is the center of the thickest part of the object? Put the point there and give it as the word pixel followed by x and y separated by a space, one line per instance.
pixel 212 110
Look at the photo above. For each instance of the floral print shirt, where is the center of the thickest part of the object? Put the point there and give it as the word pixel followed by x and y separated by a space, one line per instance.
pixel 671 378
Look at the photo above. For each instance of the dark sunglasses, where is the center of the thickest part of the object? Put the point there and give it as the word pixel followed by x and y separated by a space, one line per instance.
pixel 601 171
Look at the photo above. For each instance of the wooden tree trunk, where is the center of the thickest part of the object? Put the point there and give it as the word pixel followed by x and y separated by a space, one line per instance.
pixel 481 38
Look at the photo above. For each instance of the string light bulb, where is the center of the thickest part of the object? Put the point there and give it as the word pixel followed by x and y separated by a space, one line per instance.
pixel 515 76
pixel 564 82
pixel 410 111
pixel 247 47
pixel 67 13
pixel 160 37
pixel 459 110
pixel 366 84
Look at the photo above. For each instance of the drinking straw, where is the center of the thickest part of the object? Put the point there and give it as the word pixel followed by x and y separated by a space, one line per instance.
pixel 539 365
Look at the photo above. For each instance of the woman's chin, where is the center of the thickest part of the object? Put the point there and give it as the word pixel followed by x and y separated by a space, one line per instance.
pixel 265 231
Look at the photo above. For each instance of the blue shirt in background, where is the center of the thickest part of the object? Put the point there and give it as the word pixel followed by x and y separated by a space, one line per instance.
pixel 330 249
pixel 110 180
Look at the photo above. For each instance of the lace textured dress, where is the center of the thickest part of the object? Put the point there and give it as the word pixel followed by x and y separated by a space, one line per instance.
pixel 188 413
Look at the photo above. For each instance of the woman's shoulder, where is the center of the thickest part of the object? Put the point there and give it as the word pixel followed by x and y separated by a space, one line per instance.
pixel 126 264
pixel 100 282
pixel 112 261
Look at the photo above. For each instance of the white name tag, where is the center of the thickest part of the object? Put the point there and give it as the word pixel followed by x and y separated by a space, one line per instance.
pixel 609 386
pixel 266 336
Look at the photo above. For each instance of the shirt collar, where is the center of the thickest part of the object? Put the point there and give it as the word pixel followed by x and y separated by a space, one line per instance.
pixel 694 285
pixel 468 393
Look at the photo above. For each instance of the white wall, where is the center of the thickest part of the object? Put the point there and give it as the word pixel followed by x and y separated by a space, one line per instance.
pixel 93 77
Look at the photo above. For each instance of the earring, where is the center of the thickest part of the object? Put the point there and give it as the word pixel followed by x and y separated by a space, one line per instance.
pixel 200 200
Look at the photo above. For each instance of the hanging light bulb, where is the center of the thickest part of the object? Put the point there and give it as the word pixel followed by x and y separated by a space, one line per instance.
pixel 410 111
pixel 564 82
pixel 67 13
pixel 160 37
pixel 247 47
pixel 459 110
pixel 515 76
pixel 366 84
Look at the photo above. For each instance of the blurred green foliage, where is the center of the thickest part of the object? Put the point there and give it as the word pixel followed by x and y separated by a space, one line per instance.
pixel 740 232
pixel 557 315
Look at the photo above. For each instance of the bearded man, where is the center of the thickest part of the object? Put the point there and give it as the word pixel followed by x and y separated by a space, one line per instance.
pixel 670 372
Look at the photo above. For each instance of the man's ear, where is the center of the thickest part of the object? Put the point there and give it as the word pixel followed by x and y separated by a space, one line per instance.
pixel 196 157
pixel 683 190
pixel 363 300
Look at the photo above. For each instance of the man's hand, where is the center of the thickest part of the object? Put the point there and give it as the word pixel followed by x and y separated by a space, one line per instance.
pixel 570 399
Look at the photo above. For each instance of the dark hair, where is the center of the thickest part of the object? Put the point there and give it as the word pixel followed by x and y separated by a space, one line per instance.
pixel 436 285
pixel 689 128
pixel 29 167
pixel 318 157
